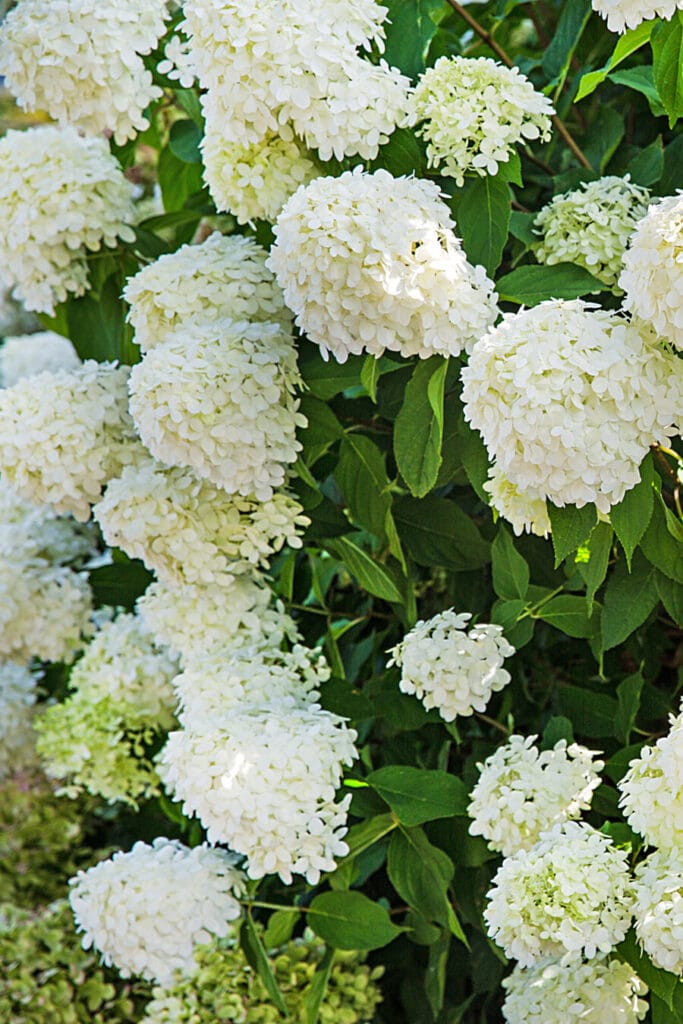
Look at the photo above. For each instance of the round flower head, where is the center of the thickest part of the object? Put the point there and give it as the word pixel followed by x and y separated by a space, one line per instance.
pixel 29 532
pixel 522 792
pixel 624 14
pixel 370 262
pixel 524 510
pixel 44 610
pixel 659 909
pixel 254 181
pixel 569 895
pixel 64 434
pixel 197 619
pixel 17 738
pixel 263 780
pixel 28 354
pixel 449 668
pixel 61 195
pixel 223 680
pixel 80 61
pixel 575 993
pixel 652 790
pixel 568 399
pixel 146 910
pixel 591 226
pixel 471 111
pixel 223 278
pixel 218 398
pixel 189 531
pixel 651 277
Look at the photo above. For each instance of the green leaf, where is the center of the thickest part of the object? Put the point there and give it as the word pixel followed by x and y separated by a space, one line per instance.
pixel 372 576
pixel 521 226
pixel 178 180
pixel 411 25
pixel 482 211
pixel 662 983
pixel 435 531
pixel 121 583
pixel 366 833
pixel 568 614
pixel 571 526
pixel 416 795
pixel 257 958
pixel 627 44
pixel 369 375
pixel 606 132
pixel 184 139
pixel 326 377
pixel 648 166
pixel 671 595
pixel 558 728
pixel 593 571
pixel 363 480
pixel 435 976
pixel 318 987
pixel 629 599
pixel 659 546
pixel 672 178
pixel 592 714
pixel 402 154
pixel 421 873
pixel 349 920
pixel 532 284
pixel 97 325
pixel 419 426
pixel 631 517
pixel 642 80
pixel 280 928
pixel 189 101
pixel 573 20
pixel 510 569
pixel 628 698
pixel 475 460
pixel 667 65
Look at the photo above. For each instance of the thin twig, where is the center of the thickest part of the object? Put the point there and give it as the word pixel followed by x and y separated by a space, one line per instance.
pixel 493 722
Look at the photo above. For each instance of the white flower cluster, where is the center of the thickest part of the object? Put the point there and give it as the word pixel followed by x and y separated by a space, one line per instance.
pixel 254 181
pixel 225 679
pixel 189 531
pixel 17 698
pixel 569 895
pixel 28 354
pixel 369 262
pixel 80 60
pixel 178 63
pixel 218 398
pixel 223 278
pixel 601 991
pixel 659 909
pixel 450 668
pixel 568 399
pixel 61 195
pixel 652 790
pixel 472 111
pixel 263 779
pixel 522 792
pixel 524 510
pixel 624 14
pixel 651 277
pixel 195 619
pixel 64 434
pixel 146 910
pixel 591 226
pixel 36 534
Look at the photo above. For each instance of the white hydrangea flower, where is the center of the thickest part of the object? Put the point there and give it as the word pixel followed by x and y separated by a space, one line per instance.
pixel 64 434
pixel 147 909
pixel 225 679
pixel 524 510
pixel 189 531
pixel 369 262
pixel 44 610
pixel 223 278
pixel 263 780
pixel 27 354
pixel 218 398
pixel 193 620
pixel 80 60
pixel 61 195
pixel 569 895
pixel 522 792
pixel 449 668
pixel 265 64
pixel 568 399
pixel 32 532
pixel 659 909
pixel 651 277
pixel 591 225
pixel 472 110
pixel 17 738
pixel 652 790
pixel 595 992
pixel 254 181
pixel 624 14
pixel 178 62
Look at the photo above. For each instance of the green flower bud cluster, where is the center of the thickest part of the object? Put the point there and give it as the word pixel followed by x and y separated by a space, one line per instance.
pixel 46 977
pixel 225 989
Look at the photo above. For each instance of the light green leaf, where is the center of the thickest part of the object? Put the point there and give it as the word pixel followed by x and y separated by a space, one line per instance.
pixel 667 65
pixel 349 920
pixel 532 284
pixel 257 958
pixel 627 44
pixel 372 576
pixel 318 987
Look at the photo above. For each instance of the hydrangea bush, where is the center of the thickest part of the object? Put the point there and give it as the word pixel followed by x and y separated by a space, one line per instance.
pixel 341 512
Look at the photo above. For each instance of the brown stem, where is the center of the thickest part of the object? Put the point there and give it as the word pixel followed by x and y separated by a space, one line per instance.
pixel 486 37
